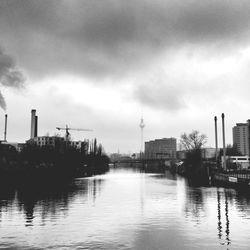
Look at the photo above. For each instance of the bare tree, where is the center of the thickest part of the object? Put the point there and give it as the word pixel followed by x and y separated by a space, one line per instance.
pixel 194 140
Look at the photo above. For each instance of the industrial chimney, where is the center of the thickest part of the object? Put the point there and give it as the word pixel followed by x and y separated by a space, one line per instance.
pixel 224 144
pixel 36 124
pixel 5 128
pixel 216 139
pixel 33 124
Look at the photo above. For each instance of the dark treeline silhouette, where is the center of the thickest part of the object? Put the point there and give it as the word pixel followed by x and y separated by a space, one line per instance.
pixel 198 168
pixel 193 161
pixel 194 167
pixel 60 160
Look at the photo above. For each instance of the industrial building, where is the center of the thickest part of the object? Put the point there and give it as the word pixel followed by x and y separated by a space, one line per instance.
pixel 238 162
pixel 51 140
pixel 160 149
pixel 241 137
pixel 206 154
pixel 41 140
pixel 46 140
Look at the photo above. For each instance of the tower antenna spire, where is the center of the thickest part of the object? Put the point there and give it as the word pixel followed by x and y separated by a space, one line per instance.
pixel 142 125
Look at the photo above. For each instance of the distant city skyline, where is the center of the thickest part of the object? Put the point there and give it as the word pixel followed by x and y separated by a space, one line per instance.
pixel 94 64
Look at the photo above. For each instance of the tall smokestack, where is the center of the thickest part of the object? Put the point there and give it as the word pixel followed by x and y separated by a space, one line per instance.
pixel 224 146
pixel 216 139
pixel 248 123
pixel 36 124
pixel 33 118
pixel 5 128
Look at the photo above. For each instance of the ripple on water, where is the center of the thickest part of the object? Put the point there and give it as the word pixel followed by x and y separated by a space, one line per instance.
pixel 126 210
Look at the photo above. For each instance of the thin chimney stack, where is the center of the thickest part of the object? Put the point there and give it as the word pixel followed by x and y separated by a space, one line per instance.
pixel 223 137
pixel 216 139
pixel 33 124
pixel 5 127
pixel 36 124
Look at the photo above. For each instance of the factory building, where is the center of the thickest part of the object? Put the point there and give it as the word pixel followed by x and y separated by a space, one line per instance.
pixel 161 149
pixel 49 140
pixel 46 140
pixel 41 140
pixel 79 144
pixel 54 141
pixel 241 137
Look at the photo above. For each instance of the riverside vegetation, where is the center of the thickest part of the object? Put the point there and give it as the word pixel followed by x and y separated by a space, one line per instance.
pixel 59 161
pixel 195 167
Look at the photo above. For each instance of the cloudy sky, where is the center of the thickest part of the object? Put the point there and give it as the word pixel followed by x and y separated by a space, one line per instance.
pixel 98 63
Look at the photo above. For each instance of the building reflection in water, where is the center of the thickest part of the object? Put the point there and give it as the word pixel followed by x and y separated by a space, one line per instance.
pixel 227 220
pixel 126 209
pixel 242 203
pixel 94 188
pixel 29 213
pixel 46 201
pixel 219 216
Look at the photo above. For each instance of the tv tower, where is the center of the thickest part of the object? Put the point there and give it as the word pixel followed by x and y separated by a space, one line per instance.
pixel 142 125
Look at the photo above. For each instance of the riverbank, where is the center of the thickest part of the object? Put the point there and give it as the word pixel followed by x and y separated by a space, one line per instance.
pixel 208 174
pixel 235 179
pixel 50 163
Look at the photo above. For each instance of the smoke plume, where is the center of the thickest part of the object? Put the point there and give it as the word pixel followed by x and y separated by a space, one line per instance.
pixel 2 102
pixel 10 76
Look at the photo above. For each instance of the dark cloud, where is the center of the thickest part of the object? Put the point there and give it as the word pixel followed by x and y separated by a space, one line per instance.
pixel 9 75
pixel 161 93
pixel 173 92
pixel 115 37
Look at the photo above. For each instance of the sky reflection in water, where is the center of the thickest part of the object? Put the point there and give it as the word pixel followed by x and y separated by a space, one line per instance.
pixel 124 209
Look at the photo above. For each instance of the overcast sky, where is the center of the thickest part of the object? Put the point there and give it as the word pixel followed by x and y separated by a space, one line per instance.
pixel 98 63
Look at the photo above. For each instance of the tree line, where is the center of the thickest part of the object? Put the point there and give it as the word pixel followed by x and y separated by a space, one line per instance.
pixel 194 164
pixel 61 159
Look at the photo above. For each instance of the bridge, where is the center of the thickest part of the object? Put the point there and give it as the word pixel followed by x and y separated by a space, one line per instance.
pixel 147 164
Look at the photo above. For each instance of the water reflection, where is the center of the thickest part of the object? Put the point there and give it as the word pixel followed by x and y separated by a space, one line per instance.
pixel 94 188
pixel 242 201
pixel 124 209
pixel 6 196
pixel 46 201
pixel 219 215
pixel 223 209
pixel 194 203
pixel 227 220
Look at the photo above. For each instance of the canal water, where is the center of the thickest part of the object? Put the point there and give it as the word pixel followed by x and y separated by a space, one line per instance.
pixel 124 209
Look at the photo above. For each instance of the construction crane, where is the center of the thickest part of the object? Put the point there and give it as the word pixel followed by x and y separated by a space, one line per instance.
pixel 67 131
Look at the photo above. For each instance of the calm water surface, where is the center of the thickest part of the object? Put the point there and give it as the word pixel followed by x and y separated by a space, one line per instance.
pixel 124 209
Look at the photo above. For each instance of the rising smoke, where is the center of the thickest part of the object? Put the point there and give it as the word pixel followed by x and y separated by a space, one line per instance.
pixel 9 75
